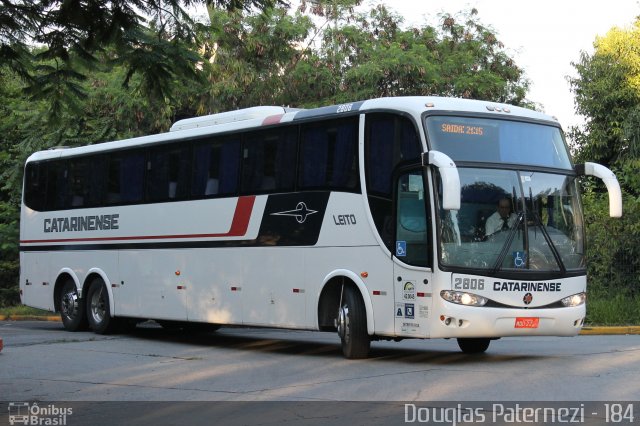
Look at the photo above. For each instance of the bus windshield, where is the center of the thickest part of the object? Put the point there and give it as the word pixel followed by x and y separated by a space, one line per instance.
pixel 514 220
pixel 498 141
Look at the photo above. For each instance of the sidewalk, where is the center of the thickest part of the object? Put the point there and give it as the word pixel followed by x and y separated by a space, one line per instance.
pixel 587 330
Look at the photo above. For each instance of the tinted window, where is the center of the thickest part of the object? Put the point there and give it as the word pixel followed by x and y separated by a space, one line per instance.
pixel 329 155
pixel 269 160
pixel 390 140
pixel 85 181
pixel 56 185
pixel 125 174
pixel 35 186
pixel 216 165
pixel 168 173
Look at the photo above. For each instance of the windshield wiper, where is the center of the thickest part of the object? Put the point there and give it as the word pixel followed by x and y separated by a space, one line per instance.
pixel 547 238
pixel 505 248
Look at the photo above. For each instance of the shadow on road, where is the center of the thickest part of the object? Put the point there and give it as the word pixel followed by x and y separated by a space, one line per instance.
pixel 315 344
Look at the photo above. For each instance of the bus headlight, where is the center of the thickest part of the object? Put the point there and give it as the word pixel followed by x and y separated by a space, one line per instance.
pixel 575 300
pixel 462 298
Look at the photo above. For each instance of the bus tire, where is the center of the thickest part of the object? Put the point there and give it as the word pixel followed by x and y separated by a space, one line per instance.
pixel 72 310
pixel 352 325
pixel 98 315
pixel 473 345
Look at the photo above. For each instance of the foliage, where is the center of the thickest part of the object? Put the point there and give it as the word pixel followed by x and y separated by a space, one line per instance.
pixel 613 252
pixel 286 59
pixel 249 57
pixel 607 92
pixel 146 37
pixel 461 58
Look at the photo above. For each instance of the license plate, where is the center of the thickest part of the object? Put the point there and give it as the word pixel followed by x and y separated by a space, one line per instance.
pixel 527 322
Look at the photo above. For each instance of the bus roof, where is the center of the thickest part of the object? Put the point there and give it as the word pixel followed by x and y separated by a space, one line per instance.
pixel 256 117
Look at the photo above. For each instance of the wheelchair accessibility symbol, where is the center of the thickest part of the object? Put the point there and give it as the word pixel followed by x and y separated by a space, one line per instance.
pixel 401 248
pixel 519 259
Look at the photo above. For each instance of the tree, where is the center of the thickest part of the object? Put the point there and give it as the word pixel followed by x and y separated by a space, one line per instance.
pixel 74 34
pixel 285 59
pixel 607 93
pixel 461 58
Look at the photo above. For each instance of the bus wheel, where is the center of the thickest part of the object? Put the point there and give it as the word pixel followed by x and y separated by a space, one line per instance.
pixel 473 345
pixel 352 325
pixel 72 311
pixel 100 320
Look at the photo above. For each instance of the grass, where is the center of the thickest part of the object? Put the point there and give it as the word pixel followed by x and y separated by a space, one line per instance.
pixel 619 309
pixel 24 310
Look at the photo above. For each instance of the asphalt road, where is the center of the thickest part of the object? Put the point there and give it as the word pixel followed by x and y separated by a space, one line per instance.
pixel 42 362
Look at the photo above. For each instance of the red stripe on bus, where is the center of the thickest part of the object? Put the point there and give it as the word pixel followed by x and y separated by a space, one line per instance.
pixel 241 217
pixel 239 226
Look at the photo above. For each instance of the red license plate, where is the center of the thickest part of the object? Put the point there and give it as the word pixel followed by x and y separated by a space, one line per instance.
pixel 527 322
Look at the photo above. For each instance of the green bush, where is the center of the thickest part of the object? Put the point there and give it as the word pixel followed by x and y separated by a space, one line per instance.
pixel 613 261
pixel 9 293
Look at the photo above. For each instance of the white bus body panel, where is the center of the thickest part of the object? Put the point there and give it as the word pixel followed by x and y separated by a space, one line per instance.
pixel 36 286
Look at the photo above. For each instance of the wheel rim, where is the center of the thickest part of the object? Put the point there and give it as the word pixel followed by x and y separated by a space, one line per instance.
pixel 69 306
pixel 98 308
pixel 343 323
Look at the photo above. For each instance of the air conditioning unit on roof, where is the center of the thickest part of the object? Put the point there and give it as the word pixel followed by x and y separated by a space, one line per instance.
pixel 228 117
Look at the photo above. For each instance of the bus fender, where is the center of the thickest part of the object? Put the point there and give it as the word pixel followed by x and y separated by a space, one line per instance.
pixel 363 292
pixel 103 275
pixel 74 277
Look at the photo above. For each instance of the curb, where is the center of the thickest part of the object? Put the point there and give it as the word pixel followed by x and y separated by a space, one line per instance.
pixel 610 330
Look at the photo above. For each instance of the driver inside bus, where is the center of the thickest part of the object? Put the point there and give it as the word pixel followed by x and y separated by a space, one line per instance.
pixel 502 219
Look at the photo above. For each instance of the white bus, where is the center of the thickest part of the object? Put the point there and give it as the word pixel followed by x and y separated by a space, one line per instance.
pixel 372 219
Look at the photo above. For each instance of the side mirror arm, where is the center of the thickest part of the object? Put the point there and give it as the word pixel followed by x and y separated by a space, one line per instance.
pixel 450 178
pixel 610 181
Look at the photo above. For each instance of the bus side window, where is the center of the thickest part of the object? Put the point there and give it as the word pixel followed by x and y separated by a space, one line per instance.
pixel 390 140
pixel 35 187
pixel 56 185
pixel 329 155
pixel 216 165
pixel 167 173
pixel 125 177
pixel 269 161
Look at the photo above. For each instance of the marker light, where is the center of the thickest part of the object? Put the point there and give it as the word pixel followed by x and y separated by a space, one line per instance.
pixel 575 300
pixel 462 298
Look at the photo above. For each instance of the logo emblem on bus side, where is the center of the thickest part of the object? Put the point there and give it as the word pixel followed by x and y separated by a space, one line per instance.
pixel 300 213
pixel 527 299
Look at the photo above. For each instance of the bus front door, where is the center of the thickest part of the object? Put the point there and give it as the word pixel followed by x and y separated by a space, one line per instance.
pixel 412 275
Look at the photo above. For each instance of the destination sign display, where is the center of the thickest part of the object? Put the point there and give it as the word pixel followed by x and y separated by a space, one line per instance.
pixel 462 129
